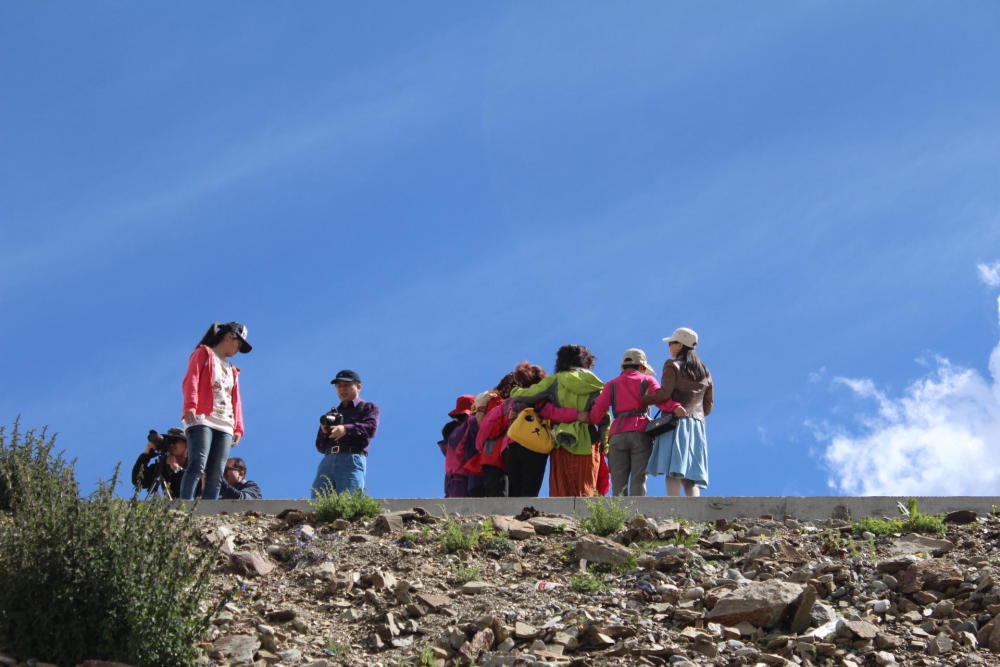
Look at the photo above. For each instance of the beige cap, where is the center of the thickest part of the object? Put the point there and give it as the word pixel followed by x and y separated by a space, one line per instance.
pixel 635 356
pixel 483 398
pixel 684 336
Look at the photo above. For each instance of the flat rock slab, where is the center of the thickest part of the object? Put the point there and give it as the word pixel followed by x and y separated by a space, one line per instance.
pixel 547 525
pixel 433 601
pixel 518 530
pixel 933 575
pixel 252 562
pixel 474 587
pixel 760 603
pixel 918 544
pixel 860 629
pixel 238 648
pixel 599 550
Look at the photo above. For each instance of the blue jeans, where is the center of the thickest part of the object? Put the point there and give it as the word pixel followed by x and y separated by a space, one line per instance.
pixel 345 471
pixel 208 451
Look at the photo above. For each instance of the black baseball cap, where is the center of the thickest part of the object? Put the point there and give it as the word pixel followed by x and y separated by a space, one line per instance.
pixel 241 331
pixel 346 376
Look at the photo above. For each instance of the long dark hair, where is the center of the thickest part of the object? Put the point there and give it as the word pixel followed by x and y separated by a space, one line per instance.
pixel 691 364
pixel 215 333
pixel 573 356
pixel 506 383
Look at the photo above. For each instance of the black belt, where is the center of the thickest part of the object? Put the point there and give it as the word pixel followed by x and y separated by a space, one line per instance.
pixel 346 449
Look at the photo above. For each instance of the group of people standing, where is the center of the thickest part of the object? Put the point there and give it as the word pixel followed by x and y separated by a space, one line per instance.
pixel 594 451
pixel 597 432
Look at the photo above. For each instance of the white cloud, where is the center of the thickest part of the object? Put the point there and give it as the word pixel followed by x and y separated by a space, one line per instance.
pixel 989 273
pixel 940 437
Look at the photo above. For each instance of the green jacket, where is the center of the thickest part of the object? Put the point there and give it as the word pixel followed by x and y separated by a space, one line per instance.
pixel 576 389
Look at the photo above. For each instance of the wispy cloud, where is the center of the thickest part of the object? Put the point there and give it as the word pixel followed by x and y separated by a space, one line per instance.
pixel 940 437
pixel 989 274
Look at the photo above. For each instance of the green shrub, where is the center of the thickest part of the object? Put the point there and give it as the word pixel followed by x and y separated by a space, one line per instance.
pixel 913 522
pixel 426 658
pixel 29 466
pixel 624 567
pixel 607 515
pixel 100 578
pixel 334 647
pixel 464 575
pixel 926 523
pixel 875 526
pixel 350 505
pixel 586 582
pixel 497 545
pixel 455 538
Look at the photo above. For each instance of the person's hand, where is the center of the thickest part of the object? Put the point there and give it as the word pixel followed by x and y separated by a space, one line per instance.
pixel 582 416
pixel 150 448
pixel 188 417
pixel 174 465
pixel 338 432
pixel 679 411
pixel 236 440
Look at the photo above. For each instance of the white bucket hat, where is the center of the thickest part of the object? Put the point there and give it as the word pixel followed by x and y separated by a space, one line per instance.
pixel 684 336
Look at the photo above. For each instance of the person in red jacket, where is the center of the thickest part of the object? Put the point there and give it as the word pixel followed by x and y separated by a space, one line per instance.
pixel 213 411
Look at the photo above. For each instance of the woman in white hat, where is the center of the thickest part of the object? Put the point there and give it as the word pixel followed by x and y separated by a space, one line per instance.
pixel 682 454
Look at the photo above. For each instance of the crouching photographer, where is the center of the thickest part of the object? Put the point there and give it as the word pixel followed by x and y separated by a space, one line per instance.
pixel 161 465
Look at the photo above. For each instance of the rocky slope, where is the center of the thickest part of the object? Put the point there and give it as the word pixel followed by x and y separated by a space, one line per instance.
pixel 766 591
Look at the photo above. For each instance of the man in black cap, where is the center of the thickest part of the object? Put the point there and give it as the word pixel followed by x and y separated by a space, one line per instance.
pixel 344 436
pixel 152 463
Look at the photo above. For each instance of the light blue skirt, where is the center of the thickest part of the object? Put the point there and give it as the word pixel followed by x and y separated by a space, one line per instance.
pixel 682 452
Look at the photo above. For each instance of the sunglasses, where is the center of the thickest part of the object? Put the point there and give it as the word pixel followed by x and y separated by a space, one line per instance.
pixel 236 468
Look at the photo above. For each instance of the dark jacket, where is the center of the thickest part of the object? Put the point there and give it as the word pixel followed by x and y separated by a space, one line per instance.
pixel 245 490
pixel 144 474
pixel 361 421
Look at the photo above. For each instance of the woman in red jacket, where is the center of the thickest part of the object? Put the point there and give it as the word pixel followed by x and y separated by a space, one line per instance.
pixel 213 412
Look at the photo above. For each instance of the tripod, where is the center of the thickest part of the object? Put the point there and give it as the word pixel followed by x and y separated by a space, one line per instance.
pixel 159 484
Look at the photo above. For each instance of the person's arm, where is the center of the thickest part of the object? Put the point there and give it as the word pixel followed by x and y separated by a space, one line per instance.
pixel 366 425
pixel 237 408
pixel 246 491
pixel 189 386
pixel 600 407
pixel 709 399
pixel 559 415
pixel 663 394
pixel 536 392
pixel 322 441
pixel 492 426
pixel 142 472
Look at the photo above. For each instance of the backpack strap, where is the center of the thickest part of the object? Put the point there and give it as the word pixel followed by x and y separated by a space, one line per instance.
pixel 627 413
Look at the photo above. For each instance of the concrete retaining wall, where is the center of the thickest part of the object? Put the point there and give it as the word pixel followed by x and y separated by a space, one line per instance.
pixel 694 509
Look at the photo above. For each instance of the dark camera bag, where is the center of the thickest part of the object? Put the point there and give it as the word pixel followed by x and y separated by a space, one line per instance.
pixel 661 424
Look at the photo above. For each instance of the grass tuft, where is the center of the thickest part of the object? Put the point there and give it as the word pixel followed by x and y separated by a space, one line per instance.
pixel 352 506
pixel 606 515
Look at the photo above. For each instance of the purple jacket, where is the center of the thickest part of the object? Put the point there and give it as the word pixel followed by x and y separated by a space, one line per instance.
pixel 361 422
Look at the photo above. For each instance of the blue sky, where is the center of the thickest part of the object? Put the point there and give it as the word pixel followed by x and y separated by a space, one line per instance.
pixel 431 193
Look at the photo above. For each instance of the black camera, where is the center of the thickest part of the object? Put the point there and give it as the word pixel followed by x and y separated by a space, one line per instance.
pixel 163 442
pixel 332 418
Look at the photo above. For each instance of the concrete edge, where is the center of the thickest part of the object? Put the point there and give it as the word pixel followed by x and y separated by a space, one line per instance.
pixel 814 508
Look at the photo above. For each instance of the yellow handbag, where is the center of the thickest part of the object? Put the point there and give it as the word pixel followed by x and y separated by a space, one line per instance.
pixel 531 431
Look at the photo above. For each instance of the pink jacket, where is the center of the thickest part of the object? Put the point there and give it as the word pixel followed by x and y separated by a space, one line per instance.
pixel 197 387
pixel 627 389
